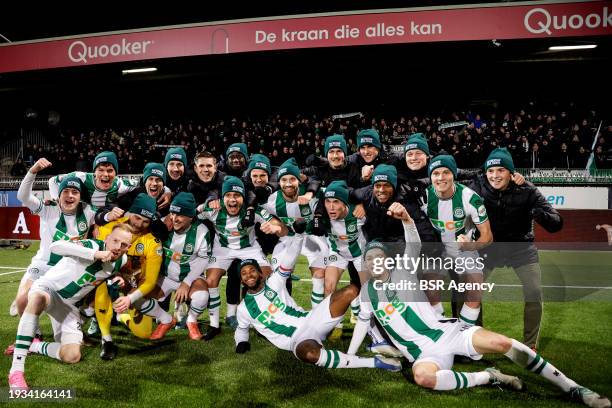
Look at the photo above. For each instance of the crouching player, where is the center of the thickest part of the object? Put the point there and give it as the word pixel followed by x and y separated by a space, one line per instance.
pixel 270 309
pixel 84 265
pixel 411 323
pixel 186 258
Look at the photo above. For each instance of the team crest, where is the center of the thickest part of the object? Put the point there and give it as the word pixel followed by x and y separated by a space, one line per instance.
pixel 274 261
pixel 140 248
pixel 82 226
pixel 332 258
pixel 351 228
pixel 212 259
pixel 305 211
pixel 188 248
pixel 459 213
pixel 270 294
pixel 159 251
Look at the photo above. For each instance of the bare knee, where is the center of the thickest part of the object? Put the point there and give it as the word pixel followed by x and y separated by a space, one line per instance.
pixel 70 354
pixel 424 378
pixel 308 351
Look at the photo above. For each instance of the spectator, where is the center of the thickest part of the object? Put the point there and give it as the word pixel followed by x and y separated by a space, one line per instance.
pixel 18 169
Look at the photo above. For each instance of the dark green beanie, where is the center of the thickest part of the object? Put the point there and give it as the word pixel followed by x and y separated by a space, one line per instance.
pixel 184 204
pixel 106 157
pixel 232 184
pixel 375 244
pixel 154 169
pixel 238 147
pixel 71 182
pixel 443 160
pixel 335 141
pixel 339 190
pixel 387 173
pixel 500 157
pixel 176 153
pixel 289 167
pixel 417 141
pixel 259 161
pixel 368 136
pixel 145 206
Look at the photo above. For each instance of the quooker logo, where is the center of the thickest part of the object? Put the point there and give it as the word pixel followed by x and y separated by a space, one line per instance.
pixel 79 51
pixel 539 21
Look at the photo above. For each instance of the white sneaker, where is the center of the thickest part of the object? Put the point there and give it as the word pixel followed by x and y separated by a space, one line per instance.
pixel 385 349
pixel 497 378
pixel 589 398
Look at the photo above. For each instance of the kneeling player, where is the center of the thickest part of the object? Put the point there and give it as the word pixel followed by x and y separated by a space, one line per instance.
pixel 84 265
pixel 186 257
pixel 411 323
pixel 270 309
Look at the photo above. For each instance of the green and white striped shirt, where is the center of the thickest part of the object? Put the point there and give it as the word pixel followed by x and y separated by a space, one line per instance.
pixel 98 198
pixel 186 254
pixel 288 213
pixel 229 233
pixel 345 236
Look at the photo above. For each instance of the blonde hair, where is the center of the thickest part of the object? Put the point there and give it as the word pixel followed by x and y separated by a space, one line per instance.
pixel 124 227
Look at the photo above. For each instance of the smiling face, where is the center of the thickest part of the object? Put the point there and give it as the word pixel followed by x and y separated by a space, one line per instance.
pixel 104 175
pixel 175 169
pixel 251 278
pixel 383 191
pixel 289 185
pixel 205 168
pixel 259 177
pixel 416 159
pixel 154 186
pixel 236 161
pixel 442 179
pixel 336 209
pixel 69 199
pixel 335 156
pixel 139 223
pixel 233 202
pixel 373 262
pixel 180 223
pixel 499 177
pixel 368 153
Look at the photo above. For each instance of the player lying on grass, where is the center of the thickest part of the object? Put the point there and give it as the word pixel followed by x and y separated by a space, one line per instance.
pixel 411 323
pixel 84 265
pixel 270 309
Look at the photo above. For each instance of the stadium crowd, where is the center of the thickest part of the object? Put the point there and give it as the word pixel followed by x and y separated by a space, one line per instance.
pixel 536 138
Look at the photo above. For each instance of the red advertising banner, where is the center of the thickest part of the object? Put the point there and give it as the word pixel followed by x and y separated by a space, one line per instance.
pixel 463 23
pixel 593 226
pixel 18 223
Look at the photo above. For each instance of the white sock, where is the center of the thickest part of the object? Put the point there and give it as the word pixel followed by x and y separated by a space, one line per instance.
pixel 468 314
pixel 46 349
pixel 231 310
pixel 152 308
pixel 199 300
pixel 25 334
pixel 318 291
pixel 451 380
pixel 439 308
pixel 374 333
pixel 337 359
pixel 530 360
pixel 355 306
pixel 214 306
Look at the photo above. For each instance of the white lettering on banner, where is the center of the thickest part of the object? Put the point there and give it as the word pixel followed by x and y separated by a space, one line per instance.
pixel 587 198
pixel 425 29
pixel 546 23
pixel 78 51
pixel 21 224
pixel 305 35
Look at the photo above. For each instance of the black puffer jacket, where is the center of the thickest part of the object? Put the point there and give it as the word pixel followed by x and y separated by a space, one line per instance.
pixel 511 214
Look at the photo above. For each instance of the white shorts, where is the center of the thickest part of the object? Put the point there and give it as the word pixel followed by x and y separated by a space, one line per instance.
pixel 169 286
pixel 316 326
pixel 65 318
pixel 314 249
pixel 35 270
pixel 456 340
pixel 222 258
pixel 336 260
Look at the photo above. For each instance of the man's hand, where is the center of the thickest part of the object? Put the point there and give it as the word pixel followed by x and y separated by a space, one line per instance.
pixel 462 241
pixel 270 228
pixel 114 214
pixel 303 178
pixel 299 225
pixel 214 204
pixel 399 212
pixel 119 281
pixel 103 256
pixel 243 347
pixel 366 172
pixel 122 304
pixel 249 218
pixel 359 211
pixel 518 178
pixel 168 222
pixel 164 200
pixel 305 199
pixel 182 293
pixel 40 165
pixel 538 214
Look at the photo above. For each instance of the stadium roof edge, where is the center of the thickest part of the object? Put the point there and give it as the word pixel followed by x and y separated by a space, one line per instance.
pixel 294 16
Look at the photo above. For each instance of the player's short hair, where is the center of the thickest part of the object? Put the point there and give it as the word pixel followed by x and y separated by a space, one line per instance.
pixel 124 227
pixel 204 155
